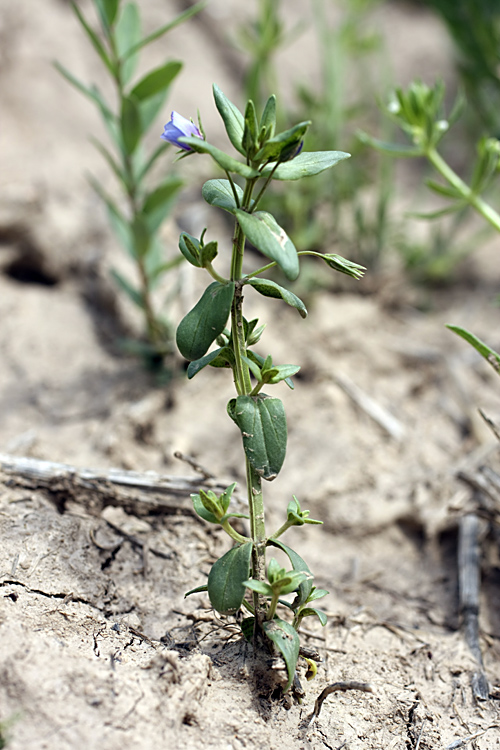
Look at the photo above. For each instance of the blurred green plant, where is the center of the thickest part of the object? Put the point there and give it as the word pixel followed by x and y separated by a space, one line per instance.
pixel 332 205
pixel 261 38
pixel 137 221
pixel 474 26
pixel 419 112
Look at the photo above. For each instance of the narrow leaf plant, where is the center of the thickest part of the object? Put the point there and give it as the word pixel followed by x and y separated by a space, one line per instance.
pixel 144 205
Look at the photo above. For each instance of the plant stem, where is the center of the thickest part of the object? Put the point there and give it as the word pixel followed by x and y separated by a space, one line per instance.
pixel 234 534
pixel 244 388
pixel 486 211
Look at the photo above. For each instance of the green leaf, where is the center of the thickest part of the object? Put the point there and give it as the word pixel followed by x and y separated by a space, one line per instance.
pixel 393 149
pixel 306 164
pixel 223 357
pixel 298 563
pixel 490 355
pixel 338 263
pixel 225 500
pixel 219 193
pixel 268 120
pixel 141 236
pixel 234 121
pixel 149 109
pixel 259 586
pixel 190 247
pixel 247 627
pixel 156 80
pixel 201 326
pixel 446 190
pixel 283 145
pixel 107 10
pixel 430 215
pixel 200 509
pixel 118 222
pixel 165 29
pixel 208 253
pixel 127 36
pixel 197 590
pixel 250 132
pixel 96 42
pixel 262 423
pixel 131 124
pixel 253 367
pixel 284 372
pixel 270 289
pixel 264 232
pixel 309 611
pixel 159 202
pixel 285 638
pixel 317 594
pixel 225 581
pixel 131 292
pixel 222 159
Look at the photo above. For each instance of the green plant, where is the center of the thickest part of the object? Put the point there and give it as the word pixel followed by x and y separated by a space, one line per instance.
pixel 420 114
pixel 144 205
pixel 266 156
pixel 474 26
pixel 348 52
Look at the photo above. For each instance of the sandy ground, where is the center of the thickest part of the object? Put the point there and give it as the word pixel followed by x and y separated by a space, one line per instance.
pixel 98 648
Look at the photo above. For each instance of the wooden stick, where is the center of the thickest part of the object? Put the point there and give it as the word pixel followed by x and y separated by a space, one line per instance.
pixel 378 413
pixel 469 585
pixel 139 492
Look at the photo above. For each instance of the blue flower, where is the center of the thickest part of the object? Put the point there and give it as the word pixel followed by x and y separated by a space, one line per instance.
pixel 178 127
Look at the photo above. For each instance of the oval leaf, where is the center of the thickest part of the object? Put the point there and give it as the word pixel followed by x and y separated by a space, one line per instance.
pixel 262 422
pixel 312 611
pixel 200 509
pixel 222 357
pixel 307 164
pixel 298 563
pixel 201 326
pixel 225 581
pixel 270 289
pixel 285 638
pixel 263 231
pixel 219 193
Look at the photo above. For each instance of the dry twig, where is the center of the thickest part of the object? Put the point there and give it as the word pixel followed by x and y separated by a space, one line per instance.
pixel 136 492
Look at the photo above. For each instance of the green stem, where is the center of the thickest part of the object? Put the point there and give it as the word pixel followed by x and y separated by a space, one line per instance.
pixel 234 534
pixel 258 533
pixel 272 606
pixel 213 273
pixel 282 530
pixel 454 180
pixel 265 268
pixel 244 387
